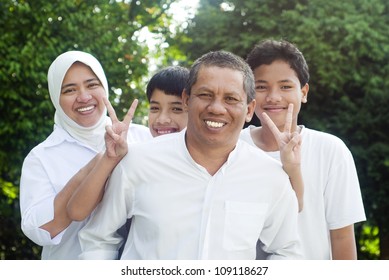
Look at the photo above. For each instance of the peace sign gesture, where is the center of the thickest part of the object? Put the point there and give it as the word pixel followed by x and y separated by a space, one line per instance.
pixel 116 134
pixel 289 144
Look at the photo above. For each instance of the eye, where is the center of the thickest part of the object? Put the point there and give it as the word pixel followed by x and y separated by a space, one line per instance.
pixel 94 85
pixel 177 110
pixel 232 100
pixel 260 88
pixel 204 95
pixel 68 90
pixel 286 87
pixel 154 109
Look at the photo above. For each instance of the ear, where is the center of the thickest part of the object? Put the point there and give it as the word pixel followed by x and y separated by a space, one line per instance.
pixel 185 99
pixel 304 93
pixel 250 110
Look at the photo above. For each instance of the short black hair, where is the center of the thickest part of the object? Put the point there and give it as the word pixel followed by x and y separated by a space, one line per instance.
pixel 268 51
pixel 171 80
pixel 223 59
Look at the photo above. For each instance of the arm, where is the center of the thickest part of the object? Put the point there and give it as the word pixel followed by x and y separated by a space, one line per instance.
pixel 289 145
pixel 99 238
pixel 280 236
pixel 91 189
pixel 61 219
pixel 343 243
pixel 296 180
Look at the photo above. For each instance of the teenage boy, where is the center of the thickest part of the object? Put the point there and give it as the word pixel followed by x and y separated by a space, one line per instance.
pixel 332 196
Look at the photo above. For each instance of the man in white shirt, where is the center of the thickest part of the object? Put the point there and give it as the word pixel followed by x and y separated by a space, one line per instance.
pixel 200 193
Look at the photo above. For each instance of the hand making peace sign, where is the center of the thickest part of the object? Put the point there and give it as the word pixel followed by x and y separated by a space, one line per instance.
pixel 116 134
pixel 289 144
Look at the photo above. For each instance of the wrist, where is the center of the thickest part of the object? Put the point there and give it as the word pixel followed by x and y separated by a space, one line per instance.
pixel 292 169
pixel 111 159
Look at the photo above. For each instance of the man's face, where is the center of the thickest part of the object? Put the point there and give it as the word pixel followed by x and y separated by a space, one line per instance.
pixel 276 86
pixel 217 108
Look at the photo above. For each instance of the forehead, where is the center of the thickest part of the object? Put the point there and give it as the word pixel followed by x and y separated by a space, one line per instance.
pixel 160 96
pixel 79 68
pixel 276 70
pixel 214 77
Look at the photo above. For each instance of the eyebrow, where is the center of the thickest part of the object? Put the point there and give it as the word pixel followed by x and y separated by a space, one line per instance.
pixel 285 81
pixel 74 84
pixel 281 81
pixel 172 103
pixel 176 103
pixel 68 85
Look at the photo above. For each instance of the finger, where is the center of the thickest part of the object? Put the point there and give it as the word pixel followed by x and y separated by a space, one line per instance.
pixel 289 117
pixel 273 128
pixel 111 133
pixel 293 143
pixel 130 114
pixel 111 111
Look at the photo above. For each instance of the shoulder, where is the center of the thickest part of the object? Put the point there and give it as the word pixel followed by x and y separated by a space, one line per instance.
pixel 321 138
pixel 156 146
pixel 324 144
pixel 138 133
pixel 252 153
pixel 57 136
pixel 245 134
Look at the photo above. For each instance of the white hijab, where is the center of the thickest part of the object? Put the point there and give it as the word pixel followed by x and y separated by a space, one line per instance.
pixel 93 136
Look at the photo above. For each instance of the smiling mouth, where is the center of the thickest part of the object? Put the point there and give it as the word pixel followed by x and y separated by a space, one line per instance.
pixel 165 130
pixel 214 124
pixel 85 109
pixel 274 109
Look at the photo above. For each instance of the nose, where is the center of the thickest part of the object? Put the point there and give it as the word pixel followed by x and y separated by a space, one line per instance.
pixel 273 95
pixel 84 96
pixel 216 106
pixel 163 118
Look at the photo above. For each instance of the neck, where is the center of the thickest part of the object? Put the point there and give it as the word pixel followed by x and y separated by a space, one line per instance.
pixel 210 157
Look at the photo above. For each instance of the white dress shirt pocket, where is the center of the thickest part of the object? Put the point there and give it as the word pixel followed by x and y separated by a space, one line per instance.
pixel 243 224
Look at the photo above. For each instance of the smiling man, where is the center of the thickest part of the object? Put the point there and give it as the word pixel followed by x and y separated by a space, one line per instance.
pixel 200 193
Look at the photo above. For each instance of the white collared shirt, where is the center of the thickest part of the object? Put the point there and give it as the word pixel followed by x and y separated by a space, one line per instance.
pixel 46 170
pixel 180 211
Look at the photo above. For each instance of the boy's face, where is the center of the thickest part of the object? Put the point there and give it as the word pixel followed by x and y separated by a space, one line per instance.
pixel 276 86
pixel 166 114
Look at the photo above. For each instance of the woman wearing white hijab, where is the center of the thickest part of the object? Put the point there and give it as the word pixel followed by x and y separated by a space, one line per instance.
pixel 52 171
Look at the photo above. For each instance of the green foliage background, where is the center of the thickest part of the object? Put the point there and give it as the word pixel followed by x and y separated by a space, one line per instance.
pixel 346 44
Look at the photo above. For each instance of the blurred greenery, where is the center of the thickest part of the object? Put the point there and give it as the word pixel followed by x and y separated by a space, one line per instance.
pixel 346 45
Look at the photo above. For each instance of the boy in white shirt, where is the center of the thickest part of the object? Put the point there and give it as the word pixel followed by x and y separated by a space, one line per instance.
pixel 332 197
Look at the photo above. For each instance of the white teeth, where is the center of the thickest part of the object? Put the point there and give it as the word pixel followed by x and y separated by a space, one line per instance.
pixel 85 109
pixel 164 131
pixel 214 124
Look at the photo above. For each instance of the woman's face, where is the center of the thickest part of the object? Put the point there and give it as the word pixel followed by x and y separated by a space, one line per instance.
pixel 82 95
